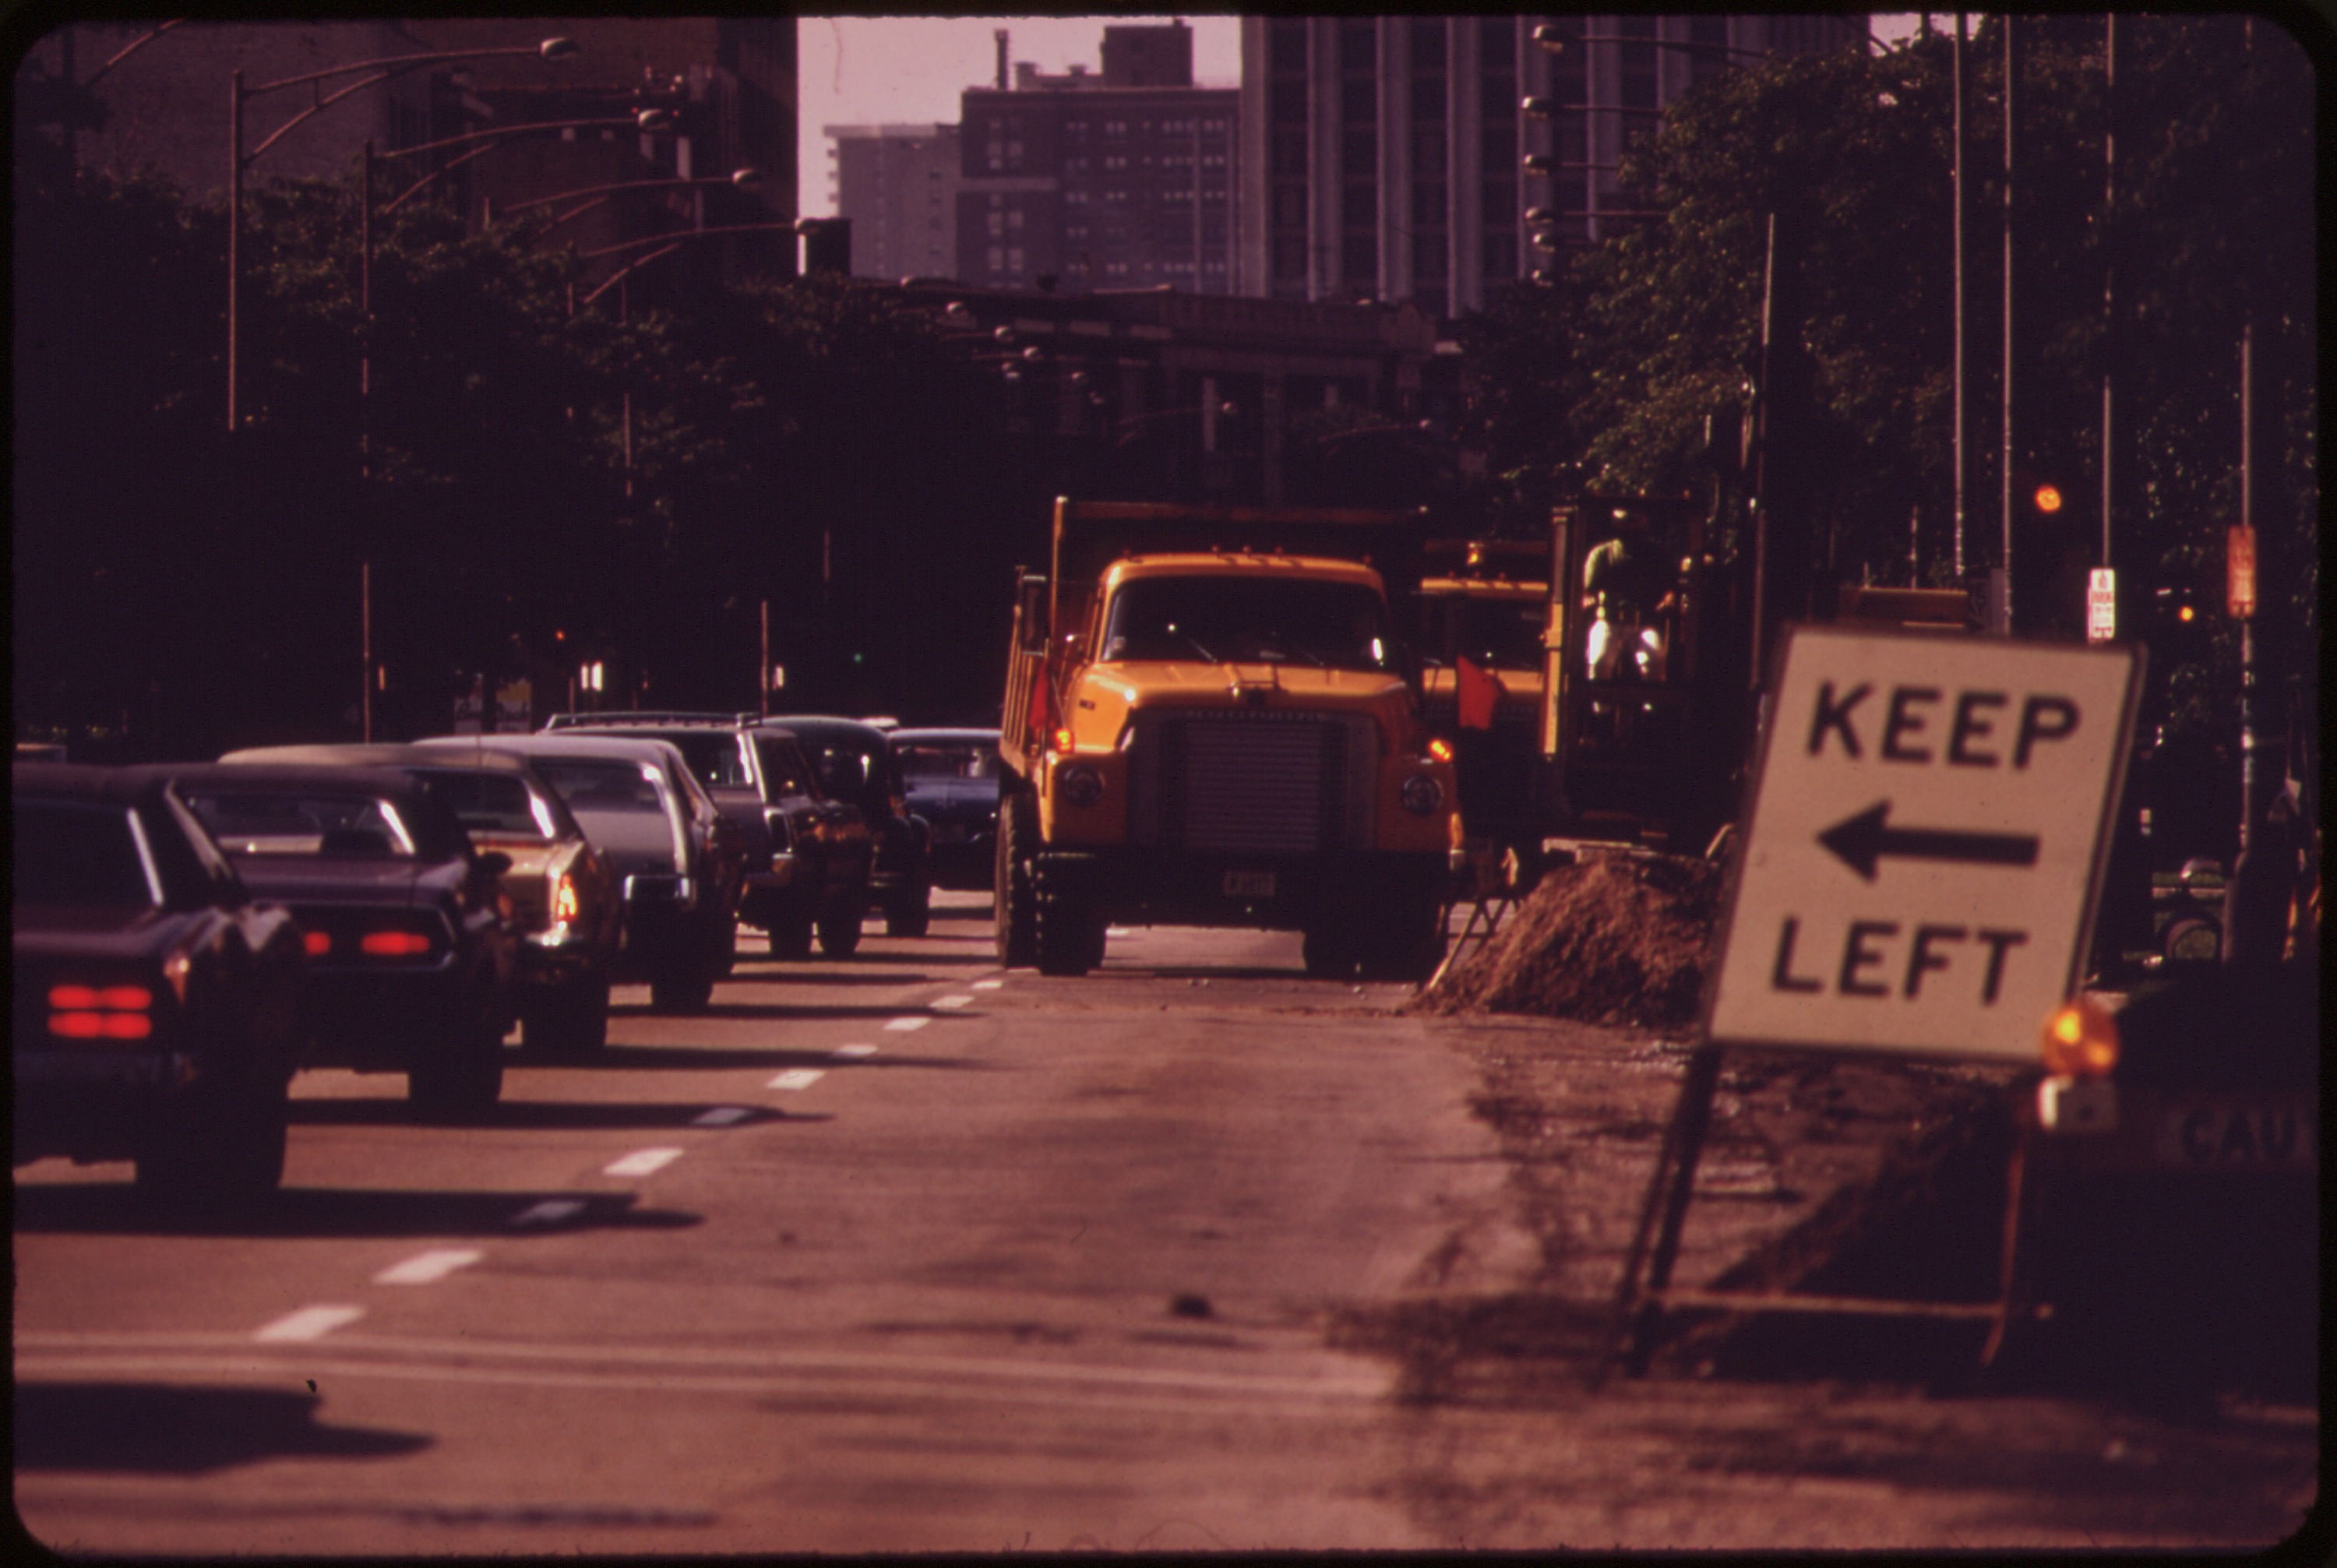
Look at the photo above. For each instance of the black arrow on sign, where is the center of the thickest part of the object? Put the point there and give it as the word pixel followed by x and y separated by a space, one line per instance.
pixel 1860 841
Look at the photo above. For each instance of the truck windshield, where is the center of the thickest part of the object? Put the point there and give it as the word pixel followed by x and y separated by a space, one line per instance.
pixel 1504 633
pixel 1270 621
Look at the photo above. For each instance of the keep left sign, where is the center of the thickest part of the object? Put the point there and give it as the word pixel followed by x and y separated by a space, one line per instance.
pixel 1924 842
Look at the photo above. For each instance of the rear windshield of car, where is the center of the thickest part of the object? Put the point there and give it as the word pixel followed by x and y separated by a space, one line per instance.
pixel 713 755
pixel 79 852
pixel 489 802
pixel 302 822
pixel 944 759
pixel 844 770
pixel 783 766
pixel 601 786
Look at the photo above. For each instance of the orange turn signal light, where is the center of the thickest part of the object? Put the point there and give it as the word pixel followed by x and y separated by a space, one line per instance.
pixel 1063 738
pixel 1439 749
pixel 2080 1040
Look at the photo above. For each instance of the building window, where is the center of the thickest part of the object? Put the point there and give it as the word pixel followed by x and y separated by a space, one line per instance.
pixel 1290 256
pixel 1359 260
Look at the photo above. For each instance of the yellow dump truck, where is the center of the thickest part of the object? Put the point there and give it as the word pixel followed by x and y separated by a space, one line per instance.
pixel 1209 722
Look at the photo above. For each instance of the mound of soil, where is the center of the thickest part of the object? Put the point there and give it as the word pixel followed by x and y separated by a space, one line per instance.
pixel 1615 939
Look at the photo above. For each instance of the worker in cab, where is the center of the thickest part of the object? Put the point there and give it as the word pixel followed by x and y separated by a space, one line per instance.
pixel 1627 586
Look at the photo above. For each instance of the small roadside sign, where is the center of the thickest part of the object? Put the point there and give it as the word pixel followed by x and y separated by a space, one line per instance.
pixel 2101 604
pixel 2240 572
pixel 1924 842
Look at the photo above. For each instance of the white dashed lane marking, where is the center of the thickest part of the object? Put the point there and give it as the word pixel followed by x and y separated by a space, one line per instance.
pixel 426 1268
pixel 551 1212
pixel 847 1052
pixel 905 1024
pixel 641 1162
pixel 309 1323
pixel 797 1078
pixel 721 1116
pixel 987 984
pixel 951 1000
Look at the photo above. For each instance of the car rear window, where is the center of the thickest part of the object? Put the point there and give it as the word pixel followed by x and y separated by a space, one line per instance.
pixel 488 802
pixel 77 852
pixel 784 769
pixel 713 755
pixel 595 786
pixel 302 822
pixel 937 760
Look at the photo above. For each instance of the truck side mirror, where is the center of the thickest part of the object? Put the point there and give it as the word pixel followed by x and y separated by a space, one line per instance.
pixel 1030 614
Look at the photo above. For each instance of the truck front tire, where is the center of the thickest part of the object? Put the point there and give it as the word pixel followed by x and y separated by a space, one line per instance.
pixel 1016 898
pixel 1069 935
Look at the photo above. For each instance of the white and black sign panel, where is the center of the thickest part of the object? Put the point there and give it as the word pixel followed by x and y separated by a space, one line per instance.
pixel 1924 842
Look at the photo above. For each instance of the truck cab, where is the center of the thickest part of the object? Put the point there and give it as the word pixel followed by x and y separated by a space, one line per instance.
pixel 1209 722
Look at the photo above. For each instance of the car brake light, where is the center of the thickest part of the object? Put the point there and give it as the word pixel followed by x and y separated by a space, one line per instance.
pixel 564 906
pixel 394 944
pixel 316 943
pixel 101 1012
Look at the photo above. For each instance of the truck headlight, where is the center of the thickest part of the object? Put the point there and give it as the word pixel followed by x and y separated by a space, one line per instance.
pixel 1079 785
pixel 1421 795
pixel 2080 1040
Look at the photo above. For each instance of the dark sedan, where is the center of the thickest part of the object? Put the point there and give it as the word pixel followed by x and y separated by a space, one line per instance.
pixel 156 1011
pixel 565 899
pixel 855 766
pixel 950 777
pixel 410 947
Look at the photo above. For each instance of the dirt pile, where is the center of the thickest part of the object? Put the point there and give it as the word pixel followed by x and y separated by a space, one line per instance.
pixel 1613 938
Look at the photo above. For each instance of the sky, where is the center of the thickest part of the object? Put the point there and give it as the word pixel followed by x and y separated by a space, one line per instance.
pixel 909 70
pixel 906 69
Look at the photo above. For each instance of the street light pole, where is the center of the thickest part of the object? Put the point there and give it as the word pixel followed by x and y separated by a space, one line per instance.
pixel 238 160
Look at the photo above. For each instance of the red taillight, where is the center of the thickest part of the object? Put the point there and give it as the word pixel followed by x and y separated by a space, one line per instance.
pixel 101 1012
pixel 564 904
pixel 316 943
pixel 394 944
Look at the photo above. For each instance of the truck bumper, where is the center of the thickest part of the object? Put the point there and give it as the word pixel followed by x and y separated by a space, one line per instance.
pixel 1155 888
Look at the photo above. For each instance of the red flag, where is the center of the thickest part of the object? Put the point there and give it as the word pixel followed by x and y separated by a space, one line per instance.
pixel 1478 695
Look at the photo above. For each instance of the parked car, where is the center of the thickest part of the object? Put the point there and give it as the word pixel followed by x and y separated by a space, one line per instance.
pixel 950 777
pixel 675 857
pixel 156 1012
pixel 807 855
pixel 411 953
pixel 856 765
pixel 564 900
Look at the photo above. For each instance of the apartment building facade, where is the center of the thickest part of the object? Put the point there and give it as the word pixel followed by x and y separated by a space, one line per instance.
pixel 1380 156
pixel 898 185
pixel 1122 178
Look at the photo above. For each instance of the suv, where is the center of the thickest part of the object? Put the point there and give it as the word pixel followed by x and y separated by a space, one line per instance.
pixel 856 764
pixel 807 855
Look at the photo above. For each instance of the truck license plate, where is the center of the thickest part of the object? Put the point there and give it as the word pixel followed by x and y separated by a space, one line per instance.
pixel 1249 884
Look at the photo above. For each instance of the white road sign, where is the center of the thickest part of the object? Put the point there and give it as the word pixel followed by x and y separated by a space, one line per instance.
pixel 1924 842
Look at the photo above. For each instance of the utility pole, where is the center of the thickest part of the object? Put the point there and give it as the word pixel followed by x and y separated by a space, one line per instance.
pixel 1960 378
pixel 2109 265
pixel 2000 588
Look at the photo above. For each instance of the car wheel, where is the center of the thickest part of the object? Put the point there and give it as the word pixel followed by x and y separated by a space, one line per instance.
pixel 225 1146
pixel 1016 916
pixel 791 937
pixel 840 933
pixel 910 912
pixel 463 1082
pixel 573 1021
pixel 679 991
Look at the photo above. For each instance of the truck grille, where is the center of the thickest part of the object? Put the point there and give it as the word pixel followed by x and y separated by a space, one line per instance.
pixel 1274 783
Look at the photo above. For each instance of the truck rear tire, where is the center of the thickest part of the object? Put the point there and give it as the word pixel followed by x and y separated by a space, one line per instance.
pixel 1016 898
pixel 463 1082
pixel 790 937
pixel 910 911
pixel 1407 944
pixel 1070 928
pixel 1330 950
pixel 840 933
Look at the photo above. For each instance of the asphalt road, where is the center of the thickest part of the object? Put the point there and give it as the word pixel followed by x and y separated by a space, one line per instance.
pixel 905 1254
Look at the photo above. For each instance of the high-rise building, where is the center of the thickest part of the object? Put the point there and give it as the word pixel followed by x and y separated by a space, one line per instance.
pixel 1122 178
pixel 898 184
pixel 1380 156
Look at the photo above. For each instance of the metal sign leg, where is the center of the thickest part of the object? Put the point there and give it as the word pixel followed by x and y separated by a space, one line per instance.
pixel 1669 1192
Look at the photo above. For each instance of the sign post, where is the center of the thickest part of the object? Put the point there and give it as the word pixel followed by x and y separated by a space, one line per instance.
pixel 1923 847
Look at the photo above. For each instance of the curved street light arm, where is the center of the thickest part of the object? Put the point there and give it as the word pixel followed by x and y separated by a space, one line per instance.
pixel 671 244
pixel 131 48
pixel 627 271
pixel 386 68
pixel 621 185
pixel 490 138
